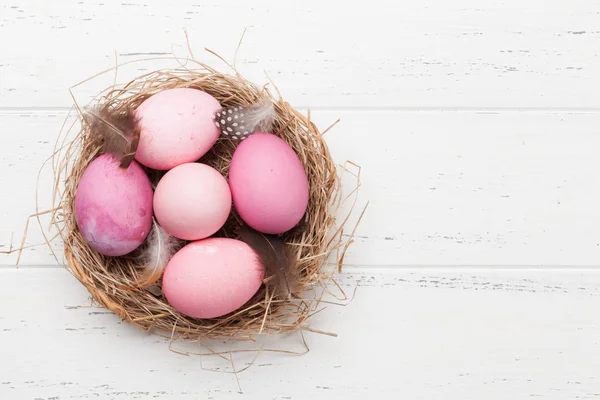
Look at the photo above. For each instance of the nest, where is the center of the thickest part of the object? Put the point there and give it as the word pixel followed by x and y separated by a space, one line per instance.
pixel 111 280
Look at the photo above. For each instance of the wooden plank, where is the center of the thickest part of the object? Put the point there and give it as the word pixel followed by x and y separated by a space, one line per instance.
pixel 424 333
pixel 445 188
pixel 425 54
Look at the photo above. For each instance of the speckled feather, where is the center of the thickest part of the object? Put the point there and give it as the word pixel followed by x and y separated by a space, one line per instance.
pixel 240 122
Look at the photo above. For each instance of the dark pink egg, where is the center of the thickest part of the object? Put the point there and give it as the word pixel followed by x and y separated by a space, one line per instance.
pixel 113 206
pixel 268 184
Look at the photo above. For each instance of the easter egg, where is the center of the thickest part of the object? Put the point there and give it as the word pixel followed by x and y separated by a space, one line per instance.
pixel 212 277
pixel 176 127
pixel 192 201
pixel 268 184
pixel 113 206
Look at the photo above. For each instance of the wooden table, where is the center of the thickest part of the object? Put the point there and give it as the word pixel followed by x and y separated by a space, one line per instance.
pixel 477 127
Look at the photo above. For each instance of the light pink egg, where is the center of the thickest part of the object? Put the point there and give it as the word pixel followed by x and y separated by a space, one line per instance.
pixel 192 201
pixel 113 207
pixel 268 184
pixel 177 127
pixel 212 277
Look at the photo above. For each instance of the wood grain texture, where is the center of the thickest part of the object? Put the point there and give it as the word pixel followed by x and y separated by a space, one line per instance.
pixel 462 333
pixel 431 53
pixel 445 188
pixel 476 265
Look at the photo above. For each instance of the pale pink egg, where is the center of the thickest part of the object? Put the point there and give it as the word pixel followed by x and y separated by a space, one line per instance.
pixel 268 184
pixel 212 277
pixel 192 201
pixel 113 207
pixel 177 127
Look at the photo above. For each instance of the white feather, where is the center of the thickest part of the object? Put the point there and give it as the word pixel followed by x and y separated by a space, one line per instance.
pixel 160 247
pixel 261 116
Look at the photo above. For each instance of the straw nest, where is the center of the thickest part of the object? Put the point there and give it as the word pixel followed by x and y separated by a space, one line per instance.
pixel 111 280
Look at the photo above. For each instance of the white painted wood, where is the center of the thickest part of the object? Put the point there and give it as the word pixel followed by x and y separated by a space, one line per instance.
pixel 411 54
pixel 445 188
pixel 419 333
pixel 476 124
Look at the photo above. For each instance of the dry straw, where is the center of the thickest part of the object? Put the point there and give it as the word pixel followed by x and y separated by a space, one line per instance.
pixel 316 240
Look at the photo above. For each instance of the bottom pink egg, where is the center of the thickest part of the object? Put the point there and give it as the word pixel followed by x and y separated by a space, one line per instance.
pixel 212 277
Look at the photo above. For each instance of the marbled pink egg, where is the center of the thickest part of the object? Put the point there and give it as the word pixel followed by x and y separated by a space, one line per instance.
pixel 212 277
pixel 177 127
pixel 113 207
pixel 268 183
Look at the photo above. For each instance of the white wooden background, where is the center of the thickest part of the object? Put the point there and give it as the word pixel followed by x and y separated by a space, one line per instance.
pixel 477 124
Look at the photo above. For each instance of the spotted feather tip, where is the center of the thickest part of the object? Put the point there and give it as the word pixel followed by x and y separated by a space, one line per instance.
pixel 240 122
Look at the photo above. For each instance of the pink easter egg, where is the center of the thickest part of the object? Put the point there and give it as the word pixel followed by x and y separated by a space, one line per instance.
pixel 212 277
pixel 177 127
pixel 113 207
pixel 268 184
pixel 192 201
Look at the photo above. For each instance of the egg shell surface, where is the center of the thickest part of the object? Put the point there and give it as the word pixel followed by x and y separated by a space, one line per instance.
pixel 192 201
pixel 177 127
pixel 113 207
pixel 212 277
pixel 268 184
